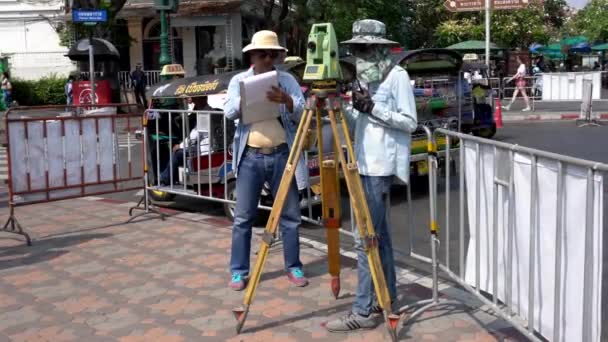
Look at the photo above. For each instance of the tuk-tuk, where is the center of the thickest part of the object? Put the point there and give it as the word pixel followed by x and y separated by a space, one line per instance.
pixel 208 168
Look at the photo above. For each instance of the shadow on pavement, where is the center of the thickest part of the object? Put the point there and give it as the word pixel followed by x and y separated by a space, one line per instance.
pixel 43 250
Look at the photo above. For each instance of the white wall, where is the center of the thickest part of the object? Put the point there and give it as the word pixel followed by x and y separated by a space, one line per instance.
pixel 136 53
pixel 189 50
pixel 28 36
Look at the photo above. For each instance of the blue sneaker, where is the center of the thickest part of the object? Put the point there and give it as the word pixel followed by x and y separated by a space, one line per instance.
pixel 237 283
pixel 296 277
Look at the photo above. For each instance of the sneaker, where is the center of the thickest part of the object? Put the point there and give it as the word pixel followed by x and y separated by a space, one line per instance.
pixel 237 283
pixel 296 277
pixel 351 322
pixel 527 109
pixel 377 309
pixel 506 107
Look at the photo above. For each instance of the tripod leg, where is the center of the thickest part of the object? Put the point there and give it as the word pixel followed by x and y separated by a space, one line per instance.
pixel 273 220
pixel 332 219
pixel 364 223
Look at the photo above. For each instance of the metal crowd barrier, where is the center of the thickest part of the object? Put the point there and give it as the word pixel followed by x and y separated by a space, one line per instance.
pixel 531 224
pixel 56 153
pixel 206 172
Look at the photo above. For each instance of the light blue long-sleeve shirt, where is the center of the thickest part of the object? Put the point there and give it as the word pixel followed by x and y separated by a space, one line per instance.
pixel 383 137
pixel 290 120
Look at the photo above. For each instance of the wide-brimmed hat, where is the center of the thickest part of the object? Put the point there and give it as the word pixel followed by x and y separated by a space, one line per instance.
pixel 369 31
pixel 264 40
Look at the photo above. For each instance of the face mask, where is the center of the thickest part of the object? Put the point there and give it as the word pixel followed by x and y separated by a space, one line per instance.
pixel 374 65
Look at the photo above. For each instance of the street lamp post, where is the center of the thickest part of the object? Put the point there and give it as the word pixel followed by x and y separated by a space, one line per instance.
pixel 164 58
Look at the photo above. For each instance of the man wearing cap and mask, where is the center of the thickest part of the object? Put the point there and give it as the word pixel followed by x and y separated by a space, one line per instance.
pixel 383 115
pixel 261 150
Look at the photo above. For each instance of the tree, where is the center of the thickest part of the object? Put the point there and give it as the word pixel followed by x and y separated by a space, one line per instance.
pixel 454 31
pixel 591 21
pixel 538 22
pixel 105 30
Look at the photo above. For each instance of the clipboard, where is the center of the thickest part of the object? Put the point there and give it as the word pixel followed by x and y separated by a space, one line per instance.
pixel 254 104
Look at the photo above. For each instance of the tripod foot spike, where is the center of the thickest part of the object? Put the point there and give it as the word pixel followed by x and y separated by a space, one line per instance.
pixel 335 286
pixel 240 315
pixel 392 321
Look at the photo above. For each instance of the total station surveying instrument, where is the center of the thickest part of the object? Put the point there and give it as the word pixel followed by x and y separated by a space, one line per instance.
pixel 324 71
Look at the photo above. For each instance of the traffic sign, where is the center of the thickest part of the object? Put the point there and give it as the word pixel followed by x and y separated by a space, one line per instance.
pixel 89 16
pixel 509 4
pixel 479 5
pixel 464 5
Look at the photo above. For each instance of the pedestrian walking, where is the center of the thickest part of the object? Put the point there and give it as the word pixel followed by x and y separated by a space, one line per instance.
pixel 520 86
pixel 68 89
pixel 7 89
pixel 138 77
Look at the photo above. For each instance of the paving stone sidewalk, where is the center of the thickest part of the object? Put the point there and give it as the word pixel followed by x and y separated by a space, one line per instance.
pixel 91 277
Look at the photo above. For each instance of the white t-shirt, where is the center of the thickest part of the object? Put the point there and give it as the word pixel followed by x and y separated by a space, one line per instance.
pixel 521 70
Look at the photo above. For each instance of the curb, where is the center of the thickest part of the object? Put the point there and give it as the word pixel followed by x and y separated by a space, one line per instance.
pixel 548 117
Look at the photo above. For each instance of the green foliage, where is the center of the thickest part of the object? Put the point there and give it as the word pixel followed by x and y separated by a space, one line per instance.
pixel 591 21
pixel 455 31
pixel 45 91
pixel 539 22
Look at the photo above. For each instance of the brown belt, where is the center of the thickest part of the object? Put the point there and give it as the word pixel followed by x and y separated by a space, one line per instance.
pixel 269 150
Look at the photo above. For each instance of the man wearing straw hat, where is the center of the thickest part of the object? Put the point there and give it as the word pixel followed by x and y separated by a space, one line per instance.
pixel 261 150
pixel 383 115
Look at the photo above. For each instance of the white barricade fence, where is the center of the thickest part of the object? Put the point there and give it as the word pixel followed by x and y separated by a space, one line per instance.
pixel 568 86
pixel 199 144
pixel 54 154
pixel 529 237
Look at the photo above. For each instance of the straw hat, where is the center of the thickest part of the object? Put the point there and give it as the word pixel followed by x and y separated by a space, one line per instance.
pixel 264 40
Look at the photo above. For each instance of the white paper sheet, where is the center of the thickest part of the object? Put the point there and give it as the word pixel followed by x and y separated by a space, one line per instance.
pixel 254 104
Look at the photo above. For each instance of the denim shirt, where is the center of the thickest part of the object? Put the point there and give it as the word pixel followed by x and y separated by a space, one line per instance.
pixel 383 137
pixel 290 121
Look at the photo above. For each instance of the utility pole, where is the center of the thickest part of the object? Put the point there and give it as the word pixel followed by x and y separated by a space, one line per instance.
pixel 488 33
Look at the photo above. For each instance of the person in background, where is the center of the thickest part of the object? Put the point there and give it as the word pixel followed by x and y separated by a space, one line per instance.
pixel 68 91
pixel 7 89
pixel 261 150
pixel 520 86
pixel 188 145
pixel 138 77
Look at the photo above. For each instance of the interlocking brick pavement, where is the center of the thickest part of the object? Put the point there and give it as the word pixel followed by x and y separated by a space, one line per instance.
pixel 91 277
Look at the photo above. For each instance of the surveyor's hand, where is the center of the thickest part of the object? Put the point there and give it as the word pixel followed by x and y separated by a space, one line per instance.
pixel 362 101
pixel 279 96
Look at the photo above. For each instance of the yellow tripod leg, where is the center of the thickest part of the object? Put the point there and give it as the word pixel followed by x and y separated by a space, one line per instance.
pixel 331 211
pixel 273 220
pixel 364 223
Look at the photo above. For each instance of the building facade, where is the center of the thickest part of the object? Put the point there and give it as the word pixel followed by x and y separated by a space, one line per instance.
pixel 29 38
pixel 206 36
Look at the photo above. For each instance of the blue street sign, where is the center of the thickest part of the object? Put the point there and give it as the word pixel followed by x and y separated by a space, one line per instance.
pixel 89 16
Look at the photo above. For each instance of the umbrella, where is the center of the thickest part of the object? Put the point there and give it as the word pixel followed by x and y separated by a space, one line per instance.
pixel 471 45
pixel 600 47
pixel 570 41
pixel 535 48
pixel 102 49
pixel 580 47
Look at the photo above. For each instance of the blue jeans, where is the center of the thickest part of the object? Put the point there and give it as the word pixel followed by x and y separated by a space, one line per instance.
pixel 255 169
pixel 176 161
pixel 377 190
pixel 7 94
